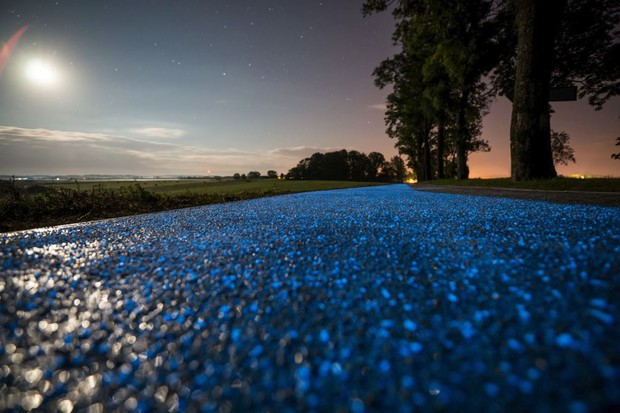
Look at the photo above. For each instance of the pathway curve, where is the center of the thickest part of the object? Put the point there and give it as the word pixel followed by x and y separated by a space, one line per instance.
pixel 370 299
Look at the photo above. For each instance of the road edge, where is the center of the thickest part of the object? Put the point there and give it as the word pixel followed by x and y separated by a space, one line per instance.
pixel 608 199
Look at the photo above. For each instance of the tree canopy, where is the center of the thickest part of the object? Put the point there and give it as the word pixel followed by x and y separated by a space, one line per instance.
pixel 435 109
pixel 457 54
pixel 561 150
pixel 346 165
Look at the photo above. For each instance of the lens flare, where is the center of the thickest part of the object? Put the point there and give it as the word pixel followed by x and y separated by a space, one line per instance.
pixel 8 47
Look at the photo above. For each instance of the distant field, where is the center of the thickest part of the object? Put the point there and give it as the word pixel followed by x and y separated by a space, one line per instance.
pixel 226 187
pixel 33 204
pixel 557 184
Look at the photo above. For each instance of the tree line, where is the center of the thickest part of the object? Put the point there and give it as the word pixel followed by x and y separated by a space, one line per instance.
pixel 271 174
pixel 346 165
pixel 456 55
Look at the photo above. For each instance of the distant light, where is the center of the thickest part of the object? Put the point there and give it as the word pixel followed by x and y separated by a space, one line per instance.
pixel 411 181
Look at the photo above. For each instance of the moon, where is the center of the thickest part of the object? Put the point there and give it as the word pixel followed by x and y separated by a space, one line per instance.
pixel 41 73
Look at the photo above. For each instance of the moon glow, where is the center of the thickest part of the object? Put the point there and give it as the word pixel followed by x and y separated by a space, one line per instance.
pixel 41 73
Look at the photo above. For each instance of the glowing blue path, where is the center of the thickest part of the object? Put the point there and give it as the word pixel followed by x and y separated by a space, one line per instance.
pixel 373 299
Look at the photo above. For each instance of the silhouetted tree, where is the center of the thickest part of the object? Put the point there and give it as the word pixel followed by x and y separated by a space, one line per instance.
pixel 339 165
pixel 359 166
pixel 272 174
pixel 236 176
pixel 537 23
pixel 617 155
pixel 437 78
pixel 387 173
pixel 314 168
pixel 525 46
pixel 556 43
pixel 376 162
pixel 295 172
pixel 335 166
pixel 561 149
pixel 400 170
pixel 253 174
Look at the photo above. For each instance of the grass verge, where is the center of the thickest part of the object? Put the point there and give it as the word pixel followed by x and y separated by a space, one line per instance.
pixel 39 205
pixel 556 184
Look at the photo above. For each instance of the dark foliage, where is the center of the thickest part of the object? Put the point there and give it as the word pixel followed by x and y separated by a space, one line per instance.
pixel 349 166
pixel 617 155
pixel 450 49
pixel 435 109
pixel 41 205
pixel 562 152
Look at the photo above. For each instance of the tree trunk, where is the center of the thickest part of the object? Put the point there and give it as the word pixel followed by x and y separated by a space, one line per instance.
pixel 537 24
pixel 420 170
pixel 462 171
pixel 428 170
pixel 441 139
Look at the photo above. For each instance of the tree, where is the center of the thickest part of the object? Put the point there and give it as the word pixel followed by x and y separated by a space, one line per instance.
pixel 376 161
pixel 335 166
pixel 557 43
pixel 464 52
pixel 537 23
pixel 314 166
pixel 359 166
pixel 400 170
pixel 299 171
pixel 561 149
pixel 338 165
pixel 525 46
pixel 387 173
pixel 236 176
pixel 409 115
pixel 253 174
pixel 587 51
pixel 437 78
pixel 617 155
pixel 272 174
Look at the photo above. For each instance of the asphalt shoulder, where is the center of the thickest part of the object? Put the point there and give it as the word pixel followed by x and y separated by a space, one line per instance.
pixel 564 197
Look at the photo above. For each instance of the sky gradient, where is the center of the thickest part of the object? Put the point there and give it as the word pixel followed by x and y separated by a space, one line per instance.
pixel 153 87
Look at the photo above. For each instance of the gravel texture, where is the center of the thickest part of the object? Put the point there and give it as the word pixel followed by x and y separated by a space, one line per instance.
pixel 360 300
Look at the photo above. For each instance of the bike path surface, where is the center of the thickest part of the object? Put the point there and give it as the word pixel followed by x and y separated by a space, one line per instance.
pixel 360 300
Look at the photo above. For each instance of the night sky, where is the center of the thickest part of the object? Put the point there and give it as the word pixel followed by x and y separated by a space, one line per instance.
pixel 214 87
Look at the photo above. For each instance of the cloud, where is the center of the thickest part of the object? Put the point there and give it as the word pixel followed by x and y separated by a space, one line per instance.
pixel 160 133
pixel 45 151
pixel 378 106
pixel 300 152
pixel 14 133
